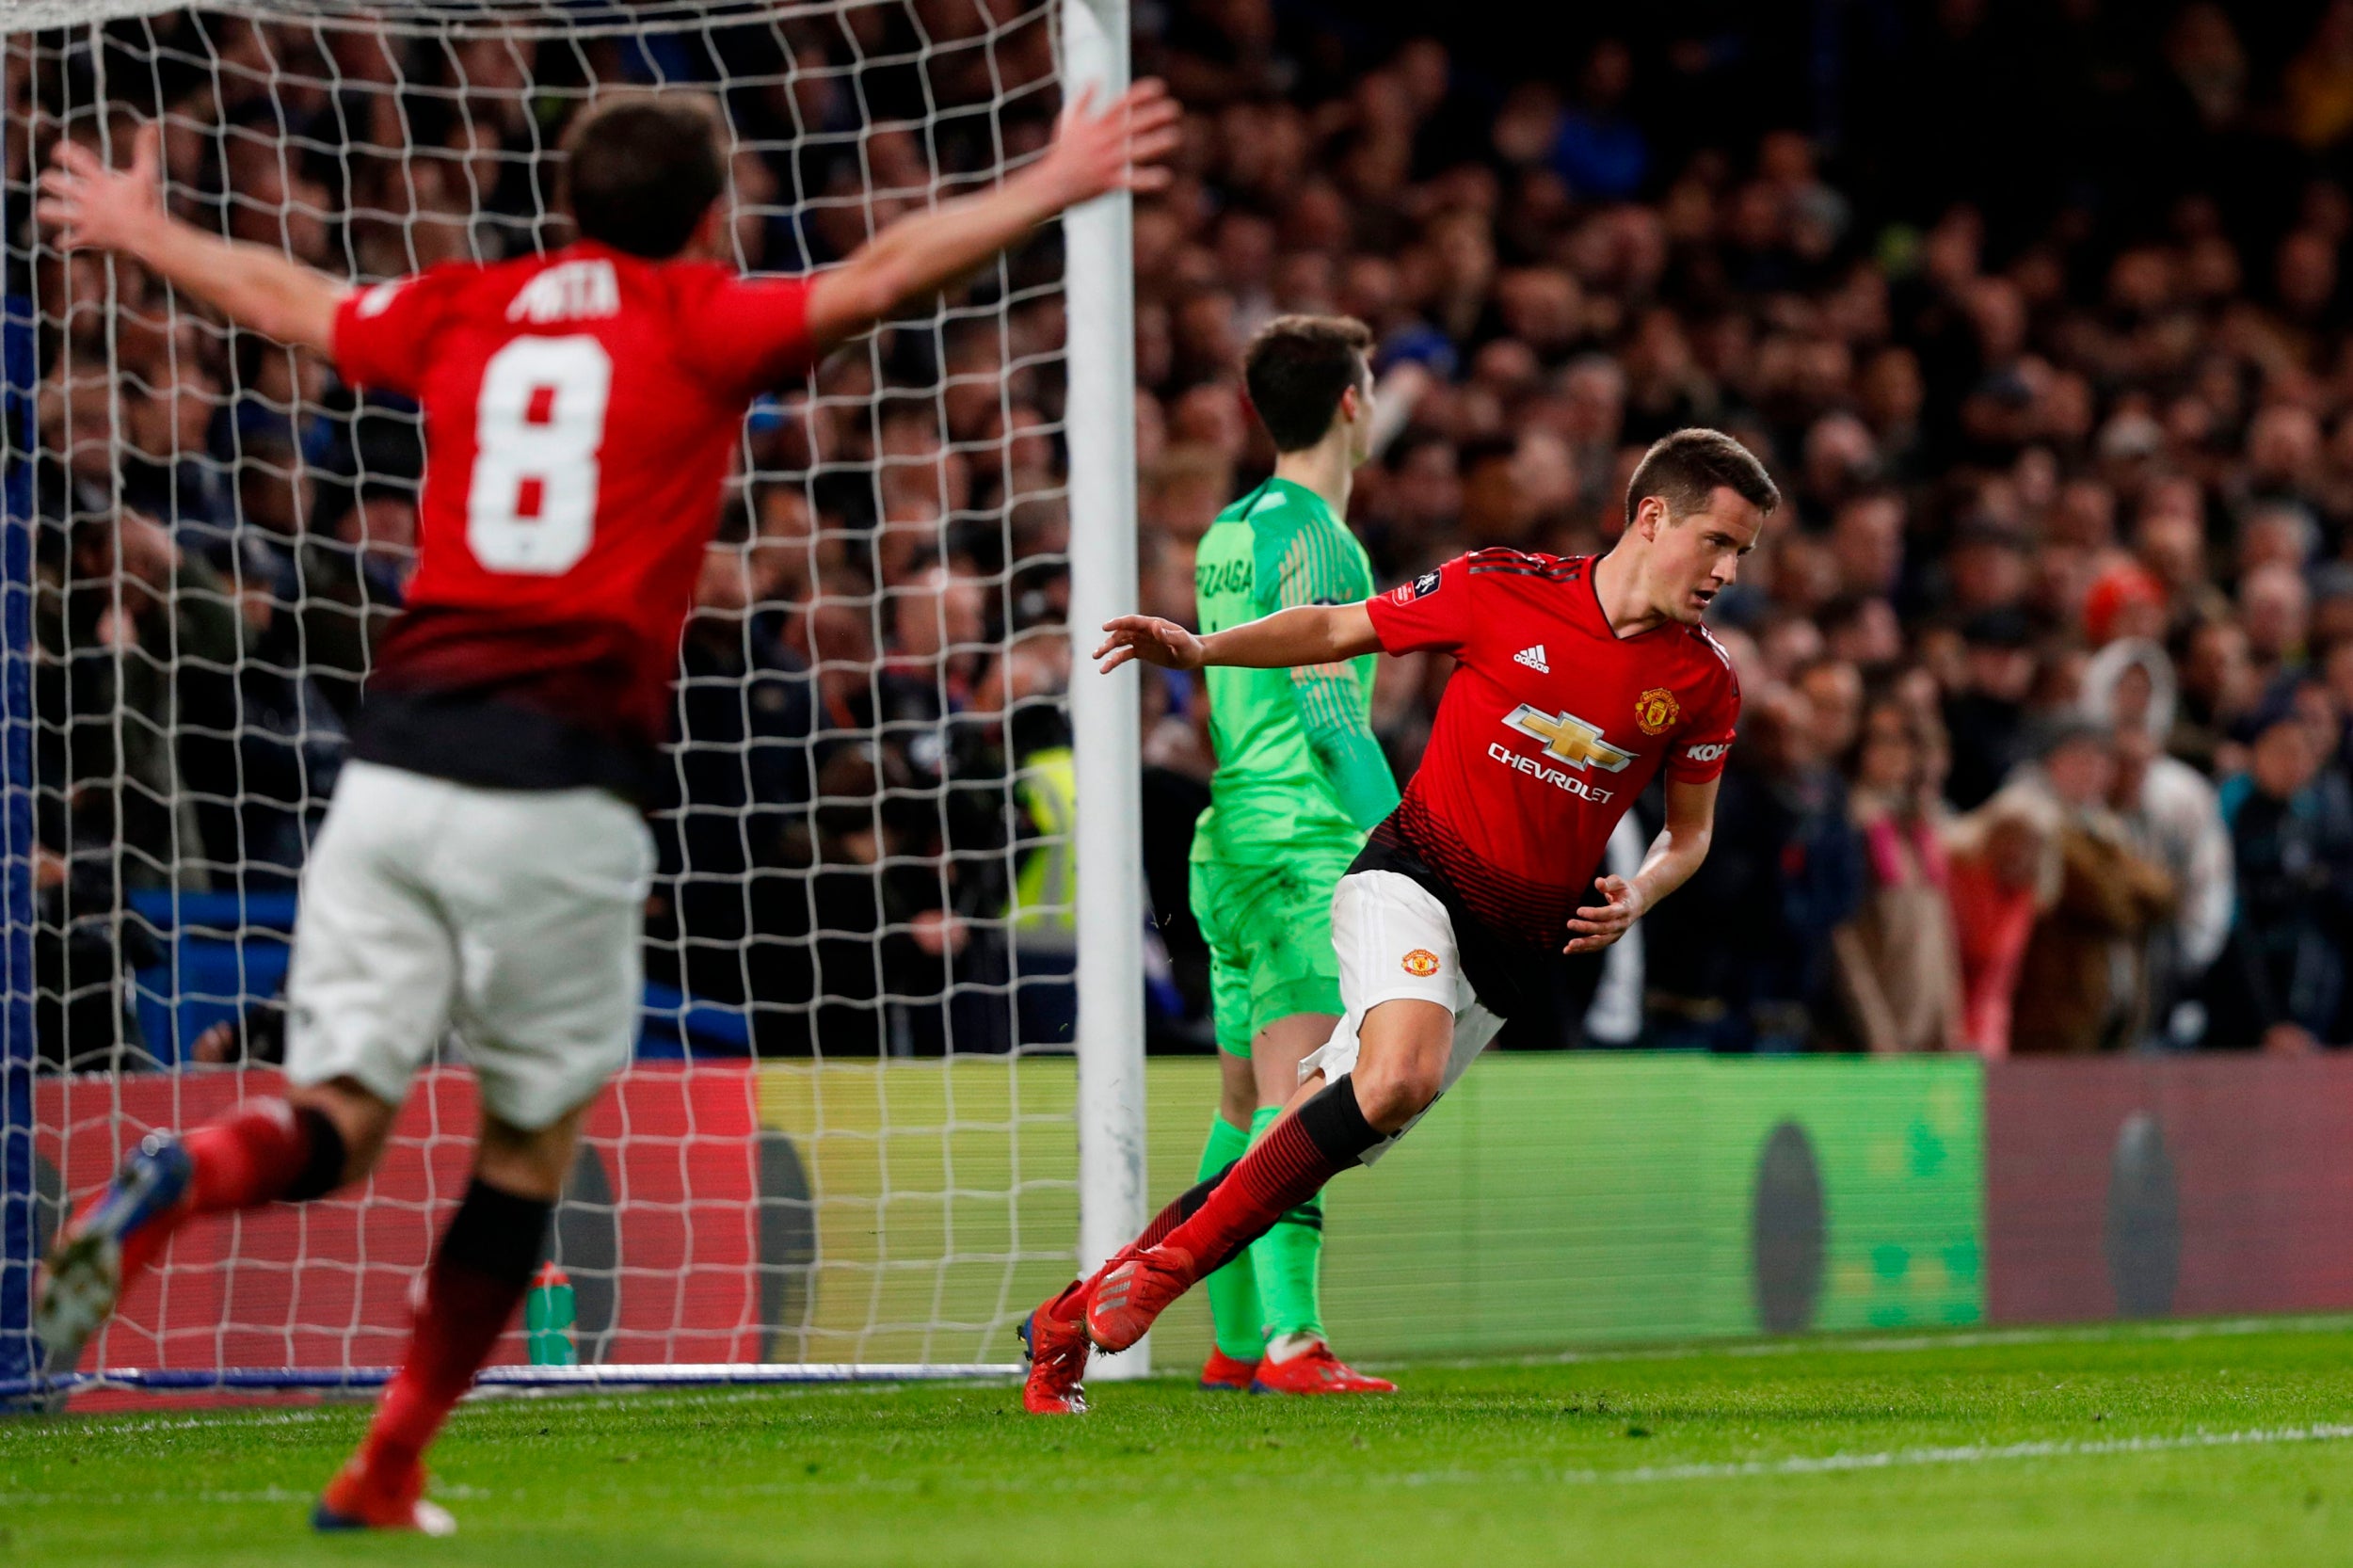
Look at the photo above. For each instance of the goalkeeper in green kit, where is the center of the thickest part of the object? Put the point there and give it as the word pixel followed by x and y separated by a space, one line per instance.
pixel 1300 781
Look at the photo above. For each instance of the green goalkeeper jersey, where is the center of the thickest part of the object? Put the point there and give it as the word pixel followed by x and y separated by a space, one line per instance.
pixel 1297 764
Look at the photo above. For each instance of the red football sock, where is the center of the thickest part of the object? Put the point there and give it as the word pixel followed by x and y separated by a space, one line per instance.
pixel 260 1152
pixel 464 1314
pixel 1302 1151
pixel 1071 1305
pixel 1283 1170
pixel 1216 1219
pixel 477 1280
pixel 1180 1209
pixel 247 1158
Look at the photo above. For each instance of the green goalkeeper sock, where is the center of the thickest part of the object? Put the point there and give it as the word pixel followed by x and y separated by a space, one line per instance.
pixel 1232 1289
pixel 1290 1259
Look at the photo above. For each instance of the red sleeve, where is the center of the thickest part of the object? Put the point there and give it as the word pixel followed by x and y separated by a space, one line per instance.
pixel 384 334
pixel 1706 739
pixel 745 335
pixel 1432 611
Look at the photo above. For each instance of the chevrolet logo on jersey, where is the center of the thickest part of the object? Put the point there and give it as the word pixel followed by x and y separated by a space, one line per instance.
pixel 1569 739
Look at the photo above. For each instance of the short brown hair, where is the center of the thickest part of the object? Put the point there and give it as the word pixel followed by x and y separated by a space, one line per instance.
pixel 1296 367
pixel 642 169
pixel 1684 470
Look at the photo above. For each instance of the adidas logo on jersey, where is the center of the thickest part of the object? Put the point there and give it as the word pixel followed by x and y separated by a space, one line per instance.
pixel 1533 658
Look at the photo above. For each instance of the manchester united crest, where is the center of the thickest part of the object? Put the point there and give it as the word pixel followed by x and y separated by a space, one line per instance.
pixel 1657 710
pixel 1422 963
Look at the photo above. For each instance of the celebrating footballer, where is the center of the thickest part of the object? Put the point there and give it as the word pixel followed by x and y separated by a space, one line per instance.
pixel 486 863
pixel 1579 678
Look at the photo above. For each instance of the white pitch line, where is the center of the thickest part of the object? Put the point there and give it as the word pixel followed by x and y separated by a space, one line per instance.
pixel 101 1423
pixel 1974 1453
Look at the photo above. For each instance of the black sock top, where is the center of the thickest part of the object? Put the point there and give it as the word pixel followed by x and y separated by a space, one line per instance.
pixel 1337 1123
pixel 324 1157
pixel 497 1233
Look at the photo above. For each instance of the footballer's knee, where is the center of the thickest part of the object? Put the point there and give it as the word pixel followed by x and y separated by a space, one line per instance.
pixel 529 1162
pixel 1401 1061
pixel 1395 1095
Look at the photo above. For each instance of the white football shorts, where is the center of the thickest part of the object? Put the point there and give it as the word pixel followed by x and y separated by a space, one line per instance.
pixel 513 917
pixel 1395 939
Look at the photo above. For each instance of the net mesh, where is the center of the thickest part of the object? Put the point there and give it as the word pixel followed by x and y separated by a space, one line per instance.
pixel 848 1136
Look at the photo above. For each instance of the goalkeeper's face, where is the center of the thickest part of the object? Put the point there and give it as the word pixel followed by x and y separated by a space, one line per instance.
pixel 1696 556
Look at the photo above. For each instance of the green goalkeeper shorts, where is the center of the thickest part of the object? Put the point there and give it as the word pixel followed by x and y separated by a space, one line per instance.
pixel 1269 929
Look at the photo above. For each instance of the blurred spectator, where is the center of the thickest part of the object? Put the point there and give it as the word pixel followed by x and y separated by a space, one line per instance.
pixel 1986 715
pixel 738 790
pixel 1897 965
pixel 2219 688
pixel 2171 815
pixel 135 651
pixel 1743 964
pixel 2005 874
pixel 2281 982
pixel 880 947
pixel 1600 153
pixel 2081 984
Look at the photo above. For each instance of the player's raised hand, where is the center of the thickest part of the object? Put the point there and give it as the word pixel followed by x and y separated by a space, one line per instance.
pixel 90 205
pixel 1122 148
pixel 1596 926
pixel 1151 639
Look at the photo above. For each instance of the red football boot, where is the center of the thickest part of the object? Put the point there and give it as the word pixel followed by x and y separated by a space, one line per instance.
pixel 1226 1374
pixel 1057 1350
pixel 357 1499
pixel 1316 1371
pixel 1134 1290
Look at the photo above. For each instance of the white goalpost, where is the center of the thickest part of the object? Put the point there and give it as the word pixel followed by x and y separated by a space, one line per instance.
pixel 888 1090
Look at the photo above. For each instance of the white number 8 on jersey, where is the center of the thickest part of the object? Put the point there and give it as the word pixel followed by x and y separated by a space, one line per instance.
pixel 538 425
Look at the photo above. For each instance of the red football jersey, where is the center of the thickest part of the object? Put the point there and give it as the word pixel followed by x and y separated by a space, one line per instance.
pixel 1551 724
pixel 581 410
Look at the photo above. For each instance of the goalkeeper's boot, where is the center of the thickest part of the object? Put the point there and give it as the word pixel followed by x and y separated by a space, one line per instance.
pixel 104 1248
pixel 358 1499
pixel 1056 1347
pixel 1226 1374
pixel 1136 1289
pixel 1316 1371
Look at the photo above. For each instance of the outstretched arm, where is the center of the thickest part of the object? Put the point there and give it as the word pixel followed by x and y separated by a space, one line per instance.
pixel 1311 635
pixel 1674 854
pixel 1093 154
pixel 122 210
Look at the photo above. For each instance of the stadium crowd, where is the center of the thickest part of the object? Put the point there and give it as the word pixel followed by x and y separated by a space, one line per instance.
pixel 2048 660
pixel 2048 664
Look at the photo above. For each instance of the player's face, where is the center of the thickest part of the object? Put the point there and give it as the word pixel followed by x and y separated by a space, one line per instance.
pixel 1697 556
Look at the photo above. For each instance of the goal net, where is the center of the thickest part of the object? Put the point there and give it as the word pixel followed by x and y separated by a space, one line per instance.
pixel 849 1141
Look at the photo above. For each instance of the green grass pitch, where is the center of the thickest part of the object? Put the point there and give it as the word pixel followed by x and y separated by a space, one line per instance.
pixel 2201 1444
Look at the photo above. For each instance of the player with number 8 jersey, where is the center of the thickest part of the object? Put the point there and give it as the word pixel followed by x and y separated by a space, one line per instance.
pixel 484 865
pixel 582 409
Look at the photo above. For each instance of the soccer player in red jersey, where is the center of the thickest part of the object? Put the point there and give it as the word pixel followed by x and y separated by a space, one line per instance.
pixel 1578 679
pixel 483 864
